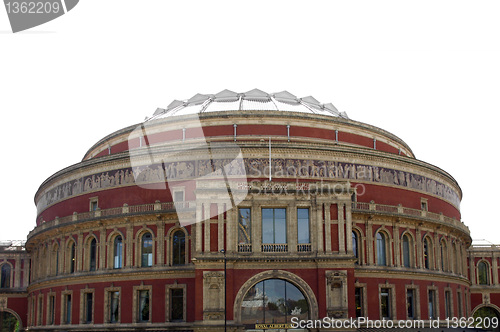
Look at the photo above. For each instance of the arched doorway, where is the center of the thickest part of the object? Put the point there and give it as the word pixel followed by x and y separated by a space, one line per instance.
pixel 489 318
pixel 273 301
pixel 9 322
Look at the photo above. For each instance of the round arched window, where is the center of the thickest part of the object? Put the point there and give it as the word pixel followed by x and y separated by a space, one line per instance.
pixel 273 301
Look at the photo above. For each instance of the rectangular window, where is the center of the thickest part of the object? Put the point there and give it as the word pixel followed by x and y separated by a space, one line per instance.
pixel 114 308
pixel 40 310
pixel 179 196
pixel 89 304
pixel 432 304
pixel 52 312
pixel 459 305
pixel 410 303
pixel 274 226
pixel 447 304
pixel 144 306
pixel 67 309
pixel 358 301
pixel 244 226
pixel 385 303
pixel 303 226
pixel 176 304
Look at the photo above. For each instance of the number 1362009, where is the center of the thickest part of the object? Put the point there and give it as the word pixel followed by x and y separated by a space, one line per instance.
pixel 39 7
pixel 471 322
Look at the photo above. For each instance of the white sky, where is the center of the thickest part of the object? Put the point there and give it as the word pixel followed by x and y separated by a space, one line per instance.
pixel 427 71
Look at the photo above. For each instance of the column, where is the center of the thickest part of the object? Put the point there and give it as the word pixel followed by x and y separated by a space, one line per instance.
pixel 369 242
pixel 328 229
pixel 198 228
pixel 231 229
pixel 160 242
pixel 17 269
pixel 79 253
pixel 397 251
pixel 472 269
pixel 102 248
pixel 256 227
pixel 418 235
pixel 494 265
pixel 129 241
pixel 220 227
pixel 206 207
pixel 319 225
pixel 348 220
pixel 341 228
pixel 292 225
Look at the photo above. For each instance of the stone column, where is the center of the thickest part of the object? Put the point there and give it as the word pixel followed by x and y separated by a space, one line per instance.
pixel 397 249
pixel 348 223
pixel 160 242
pixel 256 227
pixel 206 207
pixel 102 248
pixel 220 227
pixel 319 225
pixel 17 269
pixel 328 229
pixel 198 228
pixel 369 242
pixel 292 225
pixel 79 253
pixel 472 269
pixel 341 228
pixel 494 265
pixel 420 258
pixel 129 241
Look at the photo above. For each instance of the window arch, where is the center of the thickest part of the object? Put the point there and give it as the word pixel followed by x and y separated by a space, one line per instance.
pixel 407 250
pixel 5 277
pixel 147 249
pixel 427 253
pixel 483 276
pixel 92 247
pixel 356 249
pixel 72 257
pixel 381 249
pixel 118 252
pixel 179 247
pixel 444 255
pixel 274 301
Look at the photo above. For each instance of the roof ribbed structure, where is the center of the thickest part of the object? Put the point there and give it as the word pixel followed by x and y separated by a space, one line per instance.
pixel 253 100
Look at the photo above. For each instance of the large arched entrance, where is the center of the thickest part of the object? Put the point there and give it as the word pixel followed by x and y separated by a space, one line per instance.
pixel 9 322
pixel 273 301
pixel 487 317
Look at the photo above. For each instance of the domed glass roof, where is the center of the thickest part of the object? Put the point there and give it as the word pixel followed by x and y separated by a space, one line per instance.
pixel 254 100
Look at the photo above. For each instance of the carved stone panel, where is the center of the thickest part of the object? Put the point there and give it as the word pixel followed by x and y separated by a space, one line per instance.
pixel 336 293
pixel 213 295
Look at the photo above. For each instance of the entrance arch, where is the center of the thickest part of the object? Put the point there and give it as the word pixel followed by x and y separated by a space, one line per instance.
pixel 10 321
pixel 295 285
pixel 488 312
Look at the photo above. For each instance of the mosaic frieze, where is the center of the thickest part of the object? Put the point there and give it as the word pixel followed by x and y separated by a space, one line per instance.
pixel 252 168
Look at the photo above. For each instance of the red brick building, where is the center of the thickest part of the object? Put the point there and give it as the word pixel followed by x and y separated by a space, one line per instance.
pixel 243 210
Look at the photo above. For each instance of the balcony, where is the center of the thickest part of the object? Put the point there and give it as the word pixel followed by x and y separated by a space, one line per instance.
pixel 274 247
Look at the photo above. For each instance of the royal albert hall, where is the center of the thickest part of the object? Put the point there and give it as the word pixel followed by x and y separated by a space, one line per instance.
pixel 238 212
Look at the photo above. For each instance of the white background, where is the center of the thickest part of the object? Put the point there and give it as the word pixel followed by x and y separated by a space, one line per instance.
pixel 427 71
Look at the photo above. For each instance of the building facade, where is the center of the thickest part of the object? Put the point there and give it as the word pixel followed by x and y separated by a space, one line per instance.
pixel 243 211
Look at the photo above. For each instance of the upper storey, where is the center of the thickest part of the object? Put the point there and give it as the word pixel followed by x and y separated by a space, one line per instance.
pixel 231 110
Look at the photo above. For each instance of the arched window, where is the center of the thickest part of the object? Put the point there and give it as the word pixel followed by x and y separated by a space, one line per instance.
pixel 118 252
pixel 178 248
pixel 483 277
pixel 355 246
pixel 406 251
pixel 273 301
pixel 147 250
pixel 72 257
pixel 381 249
pixel 5 276
pixel 444 256
pixel 427 253
pixel 93 255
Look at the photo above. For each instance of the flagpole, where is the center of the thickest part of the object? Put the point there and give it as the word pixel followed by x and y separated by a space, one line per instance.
pixel 270 176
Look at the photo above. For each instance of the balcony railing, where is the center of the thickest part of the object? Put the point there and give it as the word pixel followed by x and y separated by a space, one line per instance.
pixel 275 247
pixel 409 212
pixel 304 247
pixel 244 247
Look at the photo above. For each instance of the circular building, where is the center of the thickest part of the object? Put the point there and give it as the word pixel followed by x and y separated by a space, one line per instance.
pixel 249 212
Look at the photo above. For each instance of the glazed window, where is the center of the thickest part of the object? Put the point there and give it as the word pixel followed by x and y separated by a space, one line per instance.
pixel 406 251
pixel 144 309
pixel 447 304
pixel 179 248
pixel 244 230
pixel 410 303
pixel 93 203
pixel 118 252
pixel 358 301
pixel 424 205
pixel 51 315
pixel 147 250
pixel 274 226
pixel 303 226
pixel 72 258
pixel 114 308
pixel 89 306
pixel 381 249
pixel 176 304
pixel 93 255
pixel 5 276
pixel 482 273
pixel 355 246
pixel 432 304
pixel 67 309
pixel 427 251
pixel 385 303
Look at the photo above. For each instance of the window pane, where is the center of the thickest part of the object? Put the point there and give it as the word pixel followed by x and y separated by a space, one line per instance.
pixel 381 254
pixel 406 251
pixel 267 226
pixel 147 250
pixel 244 226
pixel 72 263
pixel 177 304
pixel 385 303
pixel 358 301
pixel 115 306
pixel 144 305
pixel 410 303
pixel 355 249
pixel 93 256
pixel 483 273
pixel 68 309
pixel 279 226
pixel 303 225
pixel 179 248
pixel 431 305
pixel 5 282
pixel 89 300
